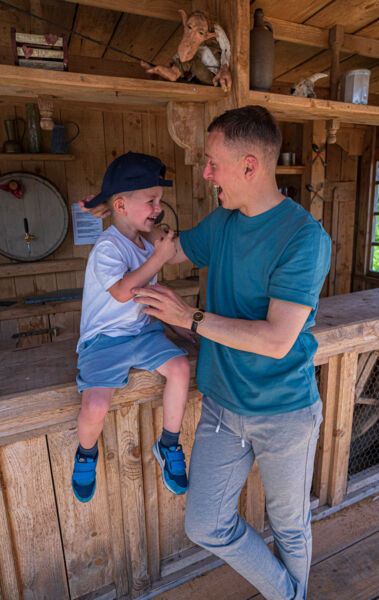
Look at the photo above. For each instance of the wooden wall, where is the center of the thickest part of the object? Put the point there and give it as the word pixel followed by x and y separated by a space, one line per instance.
pixel 105 133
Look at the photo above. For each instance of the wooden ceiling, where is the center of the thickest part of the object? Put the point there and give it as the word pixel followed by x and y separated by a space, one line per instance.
pixel 156 39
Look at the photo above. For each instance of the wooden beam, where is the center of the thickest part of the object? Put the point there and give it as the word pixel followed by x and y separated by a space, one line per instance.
pixel 308 35
pixel 161 9
pixel 300 109
pixel 27 82
pixel 45 266
pixel 336 36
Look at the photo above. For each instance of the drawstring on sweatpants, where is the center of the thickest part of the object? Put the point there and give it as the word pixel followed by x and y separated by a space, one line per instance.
pixel 219 420
pixel 242 433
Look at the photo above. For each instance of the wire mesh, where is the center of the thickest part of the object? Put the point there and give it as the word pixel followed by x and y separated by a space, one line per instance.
pixel 364 448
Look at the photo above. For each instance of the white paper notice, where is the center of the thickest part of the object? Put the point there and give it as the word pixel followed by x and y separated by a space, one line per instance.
pixel 87 228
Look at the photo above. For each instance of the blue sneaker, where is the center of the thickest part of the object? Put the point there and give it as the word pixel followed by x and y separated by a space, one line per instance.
pixel 172 463
pixel 84 477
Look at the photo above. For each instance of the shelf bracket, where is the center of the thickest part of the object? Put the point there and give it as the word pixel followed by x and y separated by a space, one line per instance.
pixel 185 122
pixel 46 108
pixel 332 126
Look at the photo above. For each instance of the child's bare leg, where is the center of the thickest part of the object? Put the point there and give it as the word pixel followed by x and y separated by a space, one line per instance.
pixel 95 405
pixel 177 372
pixel 167 449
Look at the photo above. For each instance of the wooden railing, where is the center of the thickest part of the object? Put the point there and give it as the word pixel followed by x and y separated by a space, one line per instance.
pixel 130 538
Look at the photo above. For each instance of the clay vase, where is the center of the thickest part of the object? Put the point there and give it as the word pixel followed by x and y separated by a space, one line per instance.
pixel 261 53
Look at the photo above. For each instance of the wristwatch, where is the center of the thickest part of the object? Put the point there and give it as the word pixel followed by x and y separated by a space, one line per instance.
pixel 197 317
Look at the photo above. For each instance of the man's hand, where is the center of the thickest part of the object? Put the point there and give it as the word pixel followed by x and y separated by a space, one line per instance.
pixel 164 248
pixel 164 304
pixel 101 211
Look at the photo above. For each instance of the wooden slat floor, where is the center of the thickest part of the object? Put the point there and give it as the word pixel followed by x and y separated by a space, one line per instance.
pixel 345 563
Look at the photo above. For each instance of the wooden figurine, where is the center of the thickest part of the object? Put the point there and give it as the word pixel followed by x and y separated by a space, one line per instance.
pixel 203 53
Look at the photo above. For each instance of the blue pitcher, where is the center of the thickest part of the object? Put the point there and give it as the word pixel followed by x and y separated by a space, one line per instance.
pixel 59 143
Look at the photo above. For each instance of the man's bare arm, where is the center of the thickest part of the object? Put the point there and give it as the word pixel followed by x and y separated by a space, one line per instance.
pixel 273 337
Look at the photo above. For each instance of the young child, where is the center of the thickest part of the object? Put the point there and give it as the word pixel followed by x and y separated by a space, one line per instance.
pixel 115 334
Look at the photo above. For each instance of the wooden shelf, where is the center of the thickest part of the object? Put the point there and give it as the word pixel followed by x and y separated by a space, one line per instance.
pixel 22 81
pixel 36 156
pixel 309 109
pixel 290 170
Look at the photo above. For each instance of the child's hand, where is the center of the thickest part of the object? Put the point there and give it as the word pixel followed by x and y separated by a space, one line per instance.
pixel 165 247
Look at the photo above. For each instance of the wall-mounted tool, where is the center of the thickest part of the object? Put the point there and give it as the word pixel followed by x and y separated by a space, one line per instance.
pixel 318 151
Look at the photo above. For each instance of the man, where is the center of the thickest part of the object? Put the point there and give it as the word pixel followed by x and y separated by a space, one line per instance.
pixel 267 261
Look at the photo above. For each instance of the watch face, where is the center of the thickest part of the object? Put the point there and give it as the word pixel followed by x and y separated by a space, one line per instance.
pixel 198 316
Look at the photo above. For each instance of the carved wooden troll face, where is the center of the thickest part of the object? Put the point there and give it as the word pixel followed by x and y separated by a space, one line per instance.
pixel 202 54
pixel 196 32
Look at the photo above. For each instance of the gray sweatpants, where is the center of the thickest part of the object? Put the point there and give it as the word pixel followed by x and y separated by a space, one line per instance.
pixel 225 448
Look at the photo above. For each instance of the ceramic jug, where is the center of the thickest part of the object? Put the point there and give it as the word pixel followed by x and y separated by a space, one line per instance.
pixel 13 143
pixel 59 142
pixel 261 53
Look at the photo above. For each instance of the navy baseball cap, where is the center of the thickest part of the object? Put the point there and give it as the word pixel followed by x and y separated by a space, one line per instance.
pixel 130 172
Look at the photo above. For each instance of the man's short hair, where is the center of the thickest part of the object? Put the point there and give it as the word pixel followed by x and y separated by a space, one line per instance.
pixel 250 126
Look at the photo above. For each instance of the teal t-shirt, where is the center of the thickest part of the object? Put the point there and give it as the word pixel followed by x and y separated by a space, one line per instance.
pixel 283 253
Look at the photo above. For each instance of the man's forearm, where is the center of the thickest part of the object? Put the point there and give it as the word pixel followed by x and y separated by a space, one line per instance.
pixel 258 337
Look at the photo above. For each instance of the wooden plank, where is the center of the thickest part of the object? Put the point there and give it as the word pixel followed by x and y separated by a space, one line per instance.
pixel 351 574
pixel 9 584
pixel 85 528
pixel 33 519
pixel 132 493
pixel 347 371
pixel 112 472
pixel 21 310
pixel 43 266
pixel 349 13
pixel 318 37
pixel 314 108
pixel 330 535
pixel 150 489
pixel 328 392
pixel 41 156
pixel 149 8
pixel 102 88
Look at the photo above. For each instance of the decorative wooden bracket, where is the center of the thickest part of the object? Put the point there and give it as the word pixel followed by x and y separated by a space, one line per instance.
pixel 336 39
pixel 46 108
pixel 186 127
pixel 332 126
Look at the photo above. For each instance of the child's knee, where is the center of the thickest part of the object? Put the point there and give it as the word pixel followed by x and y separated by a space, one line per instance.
pixel 95 405
pixel 178 368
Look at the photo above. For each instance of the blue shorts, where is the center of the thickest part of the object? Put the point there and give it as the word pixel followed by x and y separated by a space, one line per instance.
pixel 105 361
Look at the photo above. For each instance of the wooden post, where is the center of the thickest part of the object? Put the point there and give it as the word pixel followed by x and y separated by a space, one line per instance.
pixel 150 489
pixel 344 409
pixel 336 38
pixel 328 392
pixel 127 419
pixel 112 473
pixel 314 133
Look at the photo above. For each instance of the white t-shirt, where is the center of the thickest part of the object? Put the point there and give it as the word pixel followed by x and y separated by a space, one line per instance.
pixel 112 256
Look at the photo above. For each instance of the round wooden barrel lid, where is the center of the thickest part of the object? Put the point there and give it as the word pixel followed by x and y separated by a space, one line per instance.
pixel 33 226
